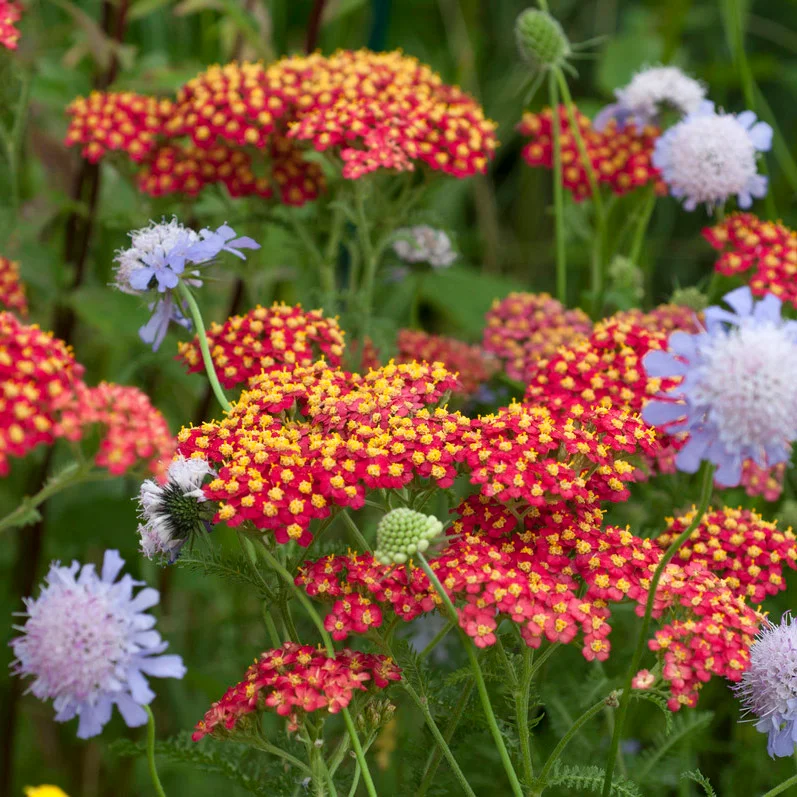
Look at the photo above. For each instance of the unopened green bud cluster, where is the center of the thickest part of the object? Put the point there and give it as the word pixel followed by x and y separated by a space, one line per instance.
pixel 402 533
pixel 540 40
pixel 690 297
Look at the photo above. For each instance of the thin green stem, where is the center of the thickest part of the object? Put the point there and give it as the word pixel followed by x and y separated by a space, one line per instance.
pixel 271 627
pixel 625 699
pixel 436 640
pixel 327 268
pixel 787 784
pixel 153 770
pixel 355 531
pixel 199 326
pixel 370 261
pixel 313 614
pixel 558 192
pixel 639 237
pixel 591 712
pixel 262 744
pixel 517 790
pixel 74 474
pixel 522 712
pixel 542 658
pixel 433 762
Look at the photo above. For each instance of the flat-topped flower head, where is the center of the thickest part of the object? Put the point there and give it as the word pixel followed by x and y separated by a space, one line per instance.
pixel 738 394
pixel 425 244
pixel 88 644
pixel 651 92
pixel 403 532
pixel 768 688
pixel 172 512
pixel 709 157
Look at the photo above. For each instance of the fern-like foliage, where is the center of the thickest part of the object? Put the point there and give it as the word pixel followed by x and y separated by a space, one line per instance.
pixel 230 567
pixel 660 702
pixel 590 779
pixel 412 666
pixel 698 777
pixel 255 773
pixel 682 725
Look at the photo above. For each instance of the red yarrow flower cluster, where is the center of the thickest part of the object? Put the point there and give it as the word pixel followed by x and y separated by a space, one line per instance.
pixel 132 433
pixel 37 375
pixel 525 327
pixel 620 159
pixel 764 253
pixel 665 318
pixel 370 110
pixel 296 680
pixel 12 289
pixel 266 339
pixel 10 14
pixel 766 482
pixel 748 552
pixel 471 364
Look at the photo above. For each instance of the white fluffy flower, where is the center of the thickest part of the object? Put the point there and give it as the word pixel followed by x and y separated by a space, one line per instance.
pixel 769 686
pixel 650 92
pixel 710 157
pixel 148 243
pixel 172 512
pixel 425 244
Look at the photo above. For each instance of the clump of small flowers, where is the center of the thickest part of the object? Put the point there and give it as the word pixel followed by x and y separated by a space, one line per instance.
pixel 762 252
pixel 296 680
pixel 12 289
pixel 88 644
pixel 768 688
pixel 267 339
pixel 525 327
pixel 172 512
pixel 738 396
pixel 424 244
pixel 710 157
pixel 10 14
pixel 650 94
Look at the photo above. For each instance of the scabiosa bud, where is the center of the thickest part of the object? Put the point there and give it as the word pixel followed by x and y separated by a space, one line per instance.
pixel 768 689
pixel 425 244
pixel 650 92
pixel 88 643
pixel 403 532
pixel 541 41
pixel 690 297
pixel 173 512
pixel 709 157
pixel 738 396
pixel 626 281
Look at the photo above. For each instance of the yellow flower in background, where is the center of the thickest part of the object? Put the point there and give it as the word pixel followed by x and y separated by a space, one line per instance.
pixel 44 791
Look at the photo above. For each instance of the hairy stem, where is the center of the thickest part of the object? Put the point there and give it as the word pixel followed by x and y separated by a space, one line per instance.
pixel 558 193
pixel 199 325
pixel 787 784
pixel 622 710
pixel 153 770
pixel 522 699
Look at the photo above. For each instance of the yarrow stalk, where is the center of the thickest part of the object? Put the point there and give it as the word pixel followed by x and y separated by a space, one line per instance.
pixel 88 644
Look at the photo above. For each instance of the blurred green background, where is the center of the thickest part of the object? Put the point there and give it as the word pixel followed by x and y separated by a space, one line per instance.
pixel 502 224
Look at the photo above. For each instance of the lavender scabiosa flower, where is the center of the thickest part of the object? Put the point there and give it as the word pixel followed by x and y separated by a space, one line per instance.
pixel 172 512
pixel 737 398
pixel 768 689
pixel 651 92
pixel 157 261
pixel 88 644
pixel 425 244
pixel 709 157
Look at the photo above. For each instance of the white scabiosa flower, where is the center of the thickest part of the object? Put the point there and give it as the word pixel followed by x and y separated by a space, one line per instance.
pixel 709 157
pixel 768 688
pixel 737 397
pixel 651 92
pixel 424 244
pixel 172 512
pixel 88 644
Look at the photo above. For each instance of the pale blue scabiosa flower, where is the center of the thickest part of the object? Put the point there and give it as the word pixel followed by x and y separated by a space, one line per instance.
pixel 709 157
pixel 88 644
pixel 738 396
pixel 157 261
pixel 651 92
pixel 768 689
pixel 173 512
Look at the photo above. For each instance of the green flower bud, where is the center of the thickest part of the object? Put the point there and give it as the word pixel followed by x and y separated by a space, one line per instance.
pixel 540 40
pixel 402 533
pixel 690 297
pixel 627 280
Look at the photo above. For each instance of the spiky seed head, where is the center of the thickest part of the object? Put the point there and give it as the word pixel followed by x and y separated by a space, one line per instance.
pixel 541 41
